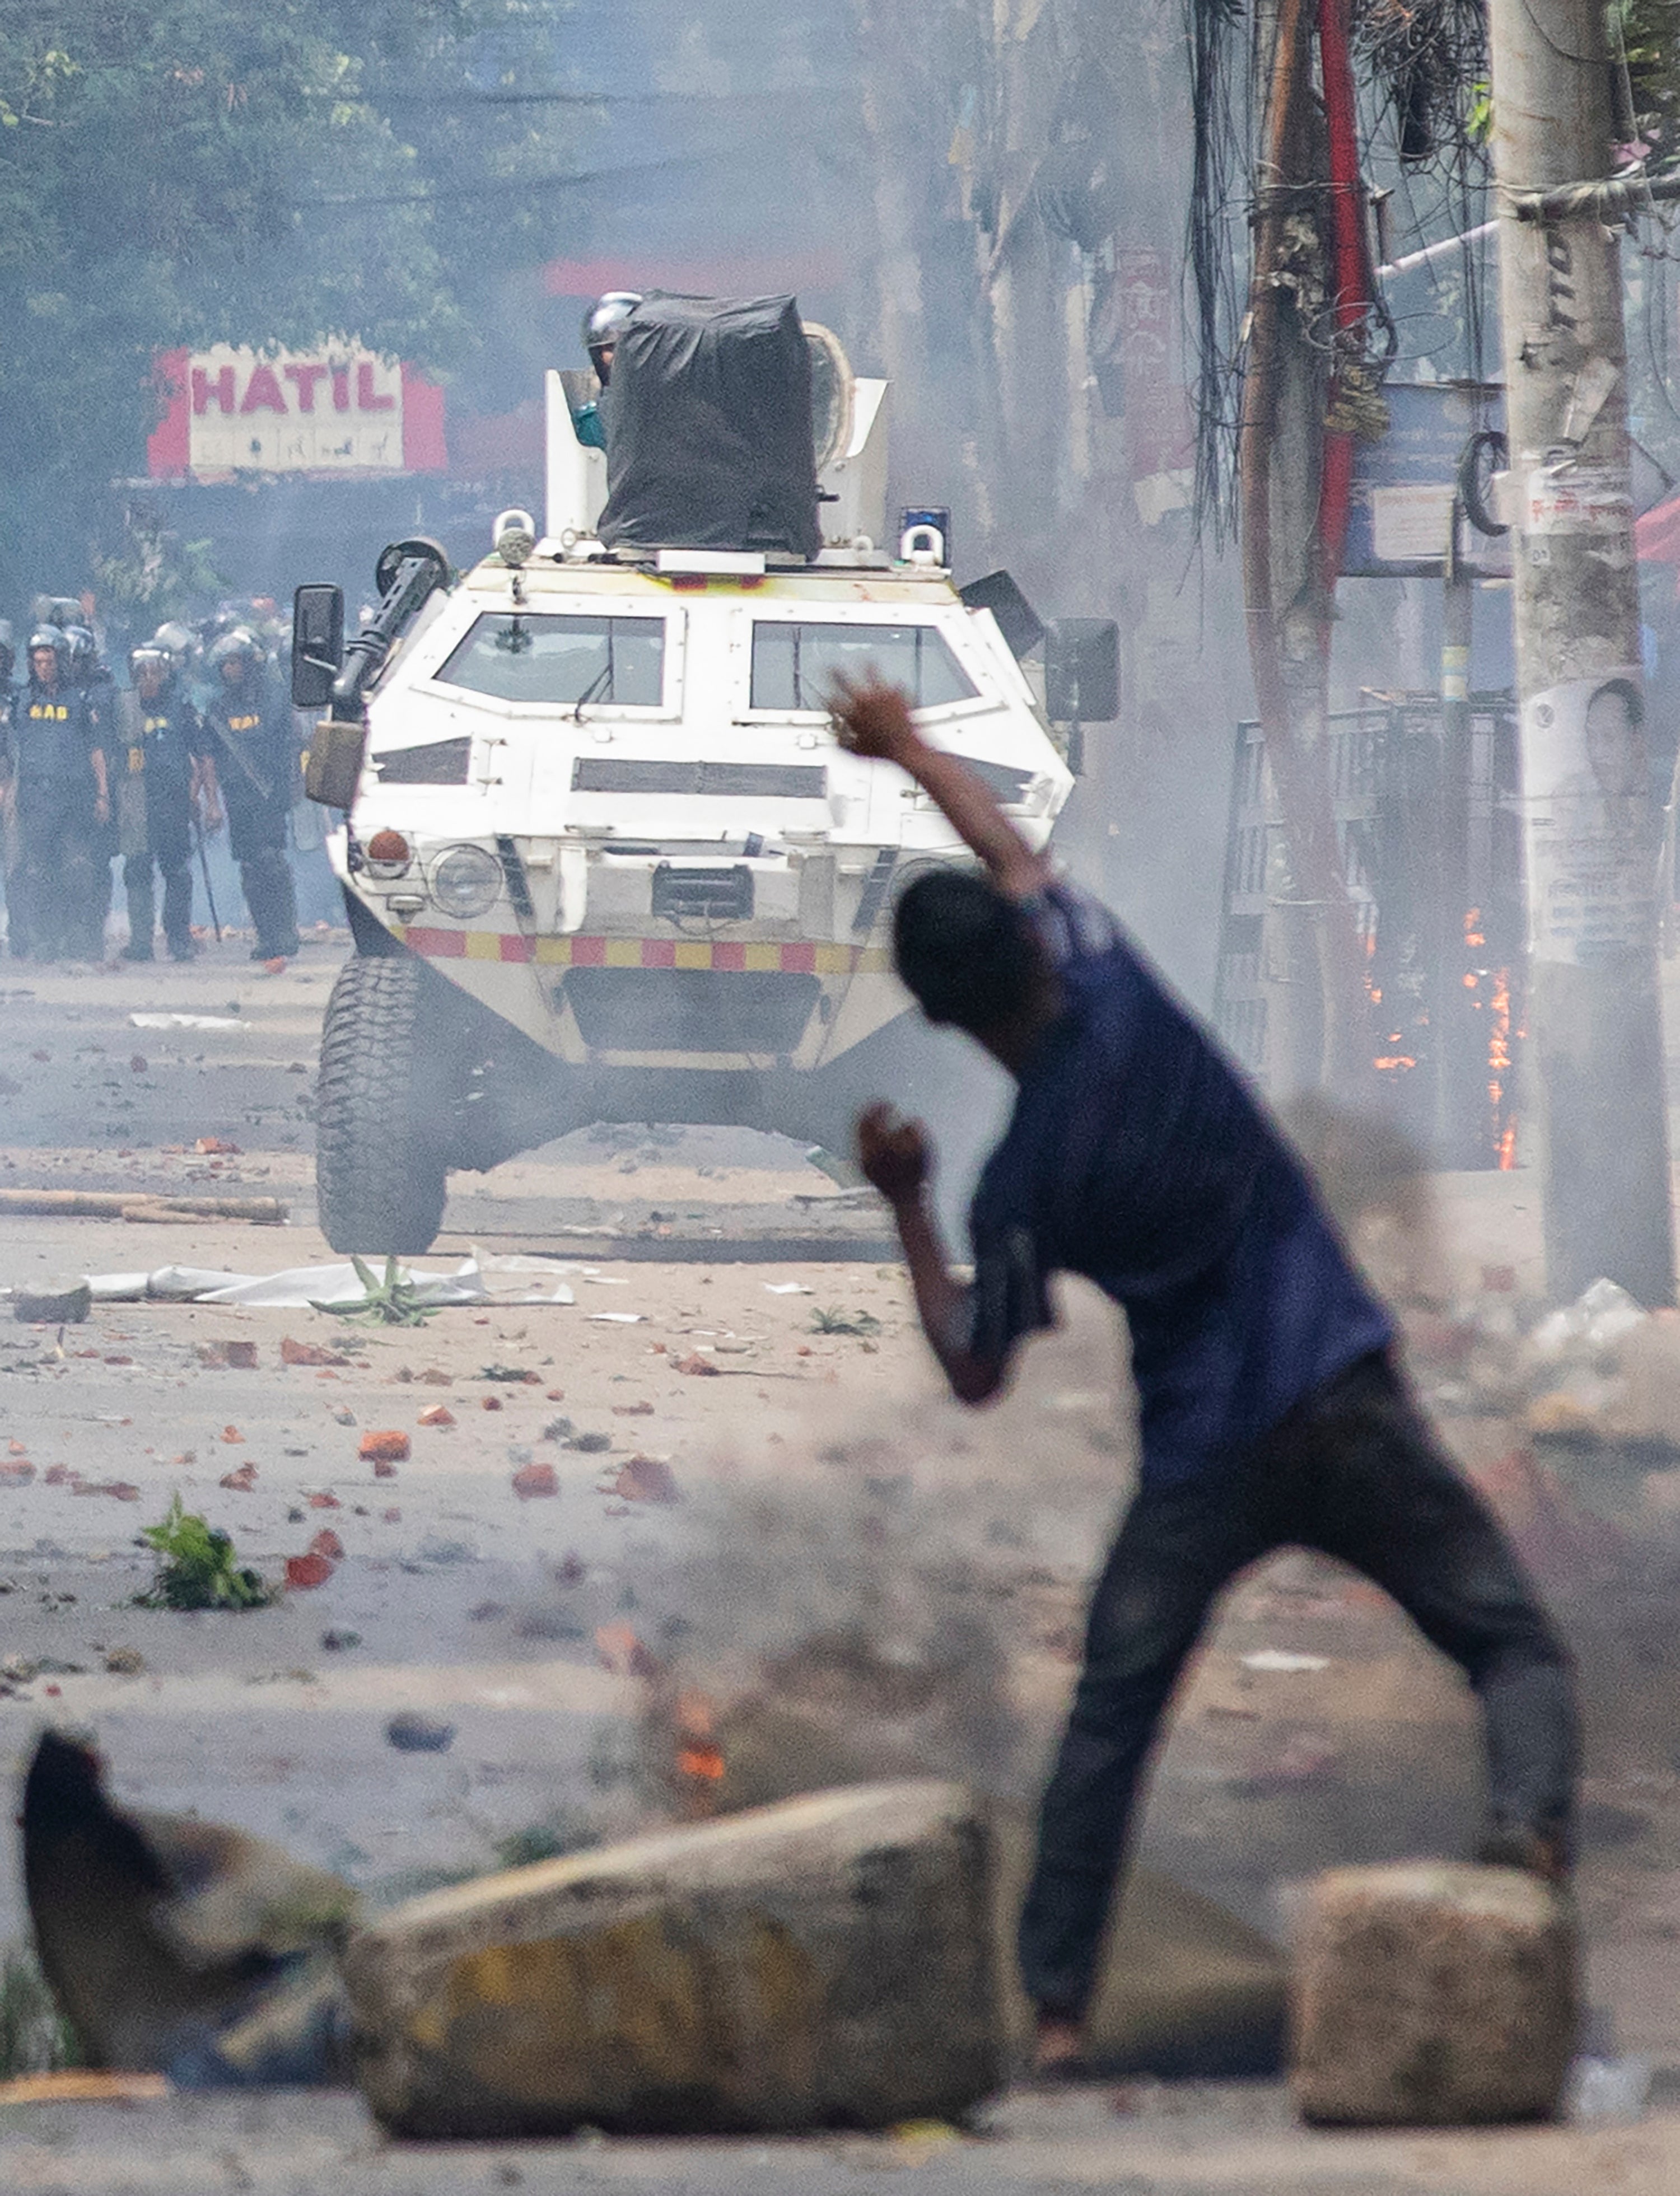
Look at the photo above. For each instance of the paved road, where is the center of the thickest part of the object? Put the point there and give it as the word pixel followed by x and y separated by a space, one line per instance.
pixel 824 1483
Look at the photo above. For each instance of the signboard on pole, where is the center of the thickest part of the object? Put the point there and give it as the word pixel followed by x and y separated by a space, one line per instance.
pixel 1400 507
pixel 337 411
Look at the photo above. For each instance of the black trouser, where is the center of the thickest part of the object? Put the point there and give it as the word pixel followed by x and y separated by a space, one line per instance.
pixel 257 828
pixel 63 911
pixel 171 860
pixel 1355 1471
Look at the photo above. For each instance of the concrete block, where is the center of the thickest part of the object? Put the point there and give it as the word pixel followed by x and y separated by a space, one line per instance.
pixel 1433 1994
pixel 825 1962
pixel 54 1303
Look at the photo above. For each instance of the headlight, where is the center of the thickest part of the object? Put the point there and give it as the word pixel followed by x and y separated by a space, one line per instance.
pixel 466 882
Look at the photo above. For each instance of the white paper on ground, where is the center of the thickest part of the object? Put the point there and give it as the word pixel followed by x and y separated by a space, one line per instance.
pixel 615 1318
pixel 186 1283
pixel 1278 1662
pixel 297 1287
pixel 300 1287
pixel 187 1021
pixel 787 1289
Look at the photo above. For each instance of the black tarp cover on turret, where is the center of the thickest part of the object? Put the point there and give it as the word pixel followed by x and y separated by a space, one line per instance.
pixel 708 428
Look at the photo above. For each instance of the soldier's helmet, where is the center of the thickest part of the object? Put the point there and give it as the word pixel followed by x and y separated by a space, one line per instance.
pixel 84 663
pixel 240 646
pixel 55 638
pixel 176 641
pixel 603 325
pixel 151 655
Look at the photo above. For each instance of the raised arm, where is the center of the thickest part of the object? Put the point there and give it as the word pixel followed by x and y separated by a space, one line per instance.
pixel 874 720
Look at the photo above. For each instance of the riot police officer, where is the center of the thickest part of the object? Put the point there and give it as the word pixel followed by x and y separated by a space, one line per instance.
pixel 168 767
pixel 603 324
pixel 92 676
pixel 17 930
pixel 63 804
pixel 257 764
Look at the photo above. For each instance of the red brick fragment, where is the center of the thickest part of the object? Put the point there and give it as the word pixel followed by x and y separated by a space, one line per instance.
pixel 242 1480
pixel 701 1367
pixel 436 1414
pixel 293 1352
pixel 323 1501
pixel 646 1479
pixel 327 1543
pixel 531 1480
pixel 309 1571
pixel 388 1446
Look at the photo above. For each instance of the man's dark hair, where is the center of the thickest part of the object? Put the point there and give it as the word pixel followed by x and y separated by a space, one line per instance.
pixel 964 949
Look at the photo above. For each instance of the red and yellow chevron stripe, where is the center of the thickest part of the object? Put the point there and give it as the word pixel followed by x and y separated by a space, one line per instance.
pixel 801 959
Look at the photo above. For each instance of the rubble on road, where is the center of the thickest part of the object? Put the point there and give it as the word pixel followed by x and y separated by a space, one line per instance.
pixel 165 1938
pixel 825 1962
pixel 1433 1995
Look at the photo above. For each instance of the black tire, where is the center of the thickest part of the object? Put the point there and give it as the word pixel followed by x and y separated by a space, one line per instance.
pixel 382 1115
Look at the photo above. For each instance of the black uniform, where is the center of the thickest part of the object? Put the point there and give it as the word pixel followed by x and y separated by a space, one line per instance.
pixel 11 859
pixel 55 739
pixel 165 737
pixel 255 757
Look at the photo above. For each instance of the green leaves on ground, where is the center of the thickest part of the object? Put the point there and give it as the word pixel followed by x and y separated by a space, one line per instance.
pixel 197 1568
pixel 831 1318
pixel 393 1302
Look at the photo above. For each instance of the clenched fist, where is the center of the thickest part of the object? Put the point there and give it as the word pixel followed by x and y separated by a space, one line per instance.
pixel 895 1155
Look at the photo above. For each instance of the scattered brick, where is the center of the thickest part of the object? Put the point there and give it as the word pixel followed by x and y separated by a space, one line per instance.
pixel 646 1479
pixel 389 1445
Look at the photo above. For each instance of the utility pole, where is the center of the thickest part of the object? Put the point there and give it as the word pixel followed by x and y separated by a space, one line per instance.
pixel 1288 580
pixel 1594 1030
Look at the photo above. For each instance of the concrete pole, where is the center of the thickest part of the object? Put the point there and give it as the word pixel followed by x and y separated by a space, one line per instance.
pixel 1595 1031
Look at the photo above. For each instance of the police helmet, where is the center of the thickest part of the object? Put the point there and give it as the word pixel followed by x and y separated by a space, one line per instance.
pixel 62 610
pixel 603 325
pixel 176 641
pixel 151 656
pixel 239 646
pixel 54 638
pixel 9 652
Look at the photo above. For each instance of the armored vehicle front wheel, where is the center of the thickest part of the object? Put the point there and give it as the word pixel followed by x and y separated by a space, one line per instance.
pixel 382 1112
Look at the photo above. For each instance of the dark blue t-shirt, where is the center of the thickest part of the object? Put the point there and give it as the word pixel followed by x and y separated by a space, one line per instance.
pixel 1137 1157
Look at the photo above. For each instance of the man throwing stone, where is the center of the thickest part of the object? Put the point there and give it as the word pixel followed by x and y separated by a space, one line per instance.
pixel 1272 1411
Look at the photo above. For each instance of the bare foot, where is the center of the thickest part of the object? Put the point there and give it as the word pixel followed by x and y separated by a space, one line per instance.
pixel 1057 2048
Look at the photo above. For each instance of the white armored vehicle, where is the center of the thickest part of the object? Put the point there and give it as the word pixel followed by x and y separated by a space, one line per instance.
pixel 603 858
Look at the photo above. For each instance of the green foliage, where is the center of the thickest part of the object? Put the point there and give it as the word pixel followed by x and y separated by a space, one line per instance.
pixel 561 1833
pixel 34 2038
pixel 150 573
pixel 392 1302
pixel 196 171
pixel 1650 40
pixel 831 1319
pixel 197 1567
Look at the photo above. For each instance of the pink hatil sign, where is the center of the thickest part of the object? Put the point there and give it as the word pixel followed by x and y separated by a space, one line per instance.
pixel 338 410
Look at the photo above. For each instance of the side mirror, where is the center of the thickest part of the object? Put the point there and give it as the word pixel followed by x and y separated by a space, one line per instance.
pixel 1081 671
pixel 317 644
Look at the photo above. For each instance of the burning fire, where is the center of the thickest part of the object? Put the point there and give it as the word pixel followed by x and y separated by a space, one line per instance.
pixel 1499 1064
pixel 700 1758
